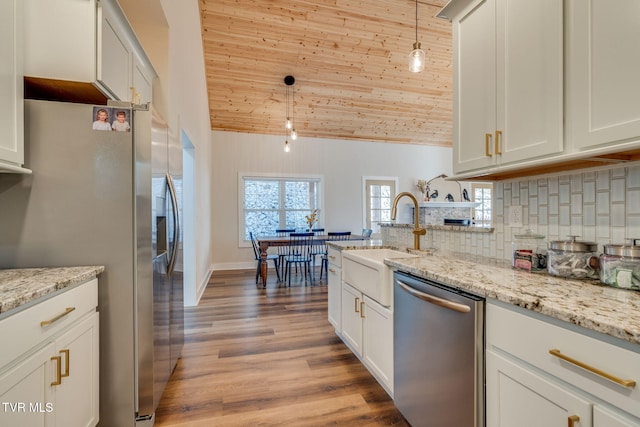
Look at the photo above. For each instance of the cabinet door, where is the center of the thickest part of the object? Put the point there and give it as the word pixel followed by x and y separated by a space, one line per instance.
pixel 142 82
pixel 11 87
pixel 378 341
pixel 517 396
pixel 604 65
pixel 351 318
pixel 26 397
pixel 114 55
pixel 605 417
pixel 530 75
pixel 334 279
pixel 77 396
pixel 474 86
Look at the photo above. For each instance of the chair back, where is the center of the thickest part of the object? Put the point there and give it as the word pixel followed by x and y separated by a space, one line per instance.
pixel 338 235
pixel 300 245
pixel 317 231
pixel 254 244
pixel 366 232
pixel 285 231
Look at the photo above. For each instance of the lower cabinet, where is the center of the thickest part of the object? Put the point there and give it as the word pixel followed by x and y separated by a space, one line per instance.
pixel 554 375
pixel 367 329
pixel 334 289
pixel 56 381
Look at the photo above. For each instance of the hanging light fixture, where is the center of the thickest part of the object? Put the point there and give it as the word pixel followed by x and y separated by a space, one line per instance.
pixel 289 101
pixel 416 57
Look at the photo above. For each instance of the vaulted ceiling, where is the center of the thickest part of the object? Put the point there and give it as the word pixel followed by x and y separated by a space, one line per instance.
pixel 350 62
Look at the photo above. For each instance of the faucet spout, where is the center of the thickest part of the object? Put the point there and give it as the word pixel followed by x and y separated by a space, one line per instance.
pixel 417 231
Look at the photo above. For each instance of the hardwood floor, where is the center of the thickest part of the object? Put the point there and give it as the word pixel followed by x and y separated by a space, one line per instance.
pixel 255 357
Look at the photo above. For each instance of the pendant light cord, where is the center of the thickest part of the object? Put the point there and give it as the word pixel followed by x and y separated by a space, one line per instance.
pixel 416 20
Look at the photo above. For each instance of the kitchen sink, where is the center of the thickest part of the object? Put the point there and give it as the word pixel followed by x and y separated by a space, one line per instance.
pixel 366 271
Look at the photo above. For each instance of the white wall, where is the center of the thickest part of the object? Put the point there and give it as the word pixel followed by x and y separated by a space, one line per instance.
pixel 189 111
pixel 343 163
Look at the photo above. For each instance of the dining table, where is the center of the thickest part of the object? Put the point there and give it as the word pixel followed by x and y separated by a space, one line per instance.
pixel 264 242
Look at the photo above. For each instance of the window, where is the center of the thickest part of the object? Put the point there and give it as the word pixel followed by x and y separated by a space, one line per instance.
pixel 378 194
pixel 269 203
pixel 482 193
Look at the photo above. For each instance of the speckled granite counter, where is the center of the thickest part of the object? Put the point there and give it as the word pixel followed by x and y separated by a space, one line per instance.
pixel 615 312
pixel 20 287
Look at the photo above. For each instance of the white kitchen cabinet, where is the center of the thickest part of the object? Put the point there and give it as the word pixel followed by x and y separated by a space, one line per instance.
pixel 531 368
pixel 11 88
pixel 334 288
pixel 367 329
pixel 49 362
pixel 86 41
pixel 603 68
pixel 507 81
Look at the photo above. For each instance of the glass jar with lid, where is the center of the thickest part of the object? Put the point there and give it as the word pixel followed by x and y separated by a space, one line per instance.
pixel 573 259
pixel 529 251
pixel 620 265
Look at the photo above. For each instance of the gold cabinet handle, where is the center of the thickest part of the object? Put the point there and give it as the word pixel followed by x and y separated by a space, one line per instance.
pixel 66 362
pixel 497 146
pixel 332 271
pixel 356 307
pixel 572 420
pixel 362 309
pixel 487 142
pixel 56 318
pixel 332 257
pixel 58 380
pixel 593 370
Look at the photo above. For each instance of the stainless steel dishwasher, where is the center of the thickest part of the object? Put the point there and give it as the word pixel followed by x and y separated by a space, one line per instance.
pixel 438 349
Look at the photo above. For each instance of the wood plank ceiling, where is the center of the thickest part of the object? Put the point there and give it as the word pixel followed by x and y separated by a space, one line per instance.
pixel 350 62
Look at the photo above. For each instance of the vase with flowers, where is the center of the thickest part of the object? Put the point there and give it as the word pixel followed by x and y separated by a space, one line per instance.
pixel 423 188
pixel 312 219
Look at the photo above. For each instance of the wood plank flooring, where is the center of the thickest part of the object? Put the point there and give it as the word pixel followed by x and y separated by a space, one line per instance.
pixel 267 357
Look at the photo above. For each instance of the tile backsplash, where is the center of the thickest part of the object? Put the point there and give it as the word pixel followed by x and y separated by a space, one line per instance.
pixel 600 205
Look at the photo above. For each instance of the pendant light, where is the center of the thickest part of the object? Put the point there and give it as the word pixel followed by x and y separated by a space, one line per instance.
pixel 290 122
pixel 417 57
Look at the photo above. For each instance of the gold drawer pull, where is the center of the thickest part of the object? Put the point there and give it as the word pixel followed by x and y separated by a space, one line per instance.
pixel 498 138
pixel 487 141
pixel 620 381
pixel 332 271
pixel 58 361
pixel 362 309
pixel 572 420
pixel 58 317
pixel 66 362
pixel 356 305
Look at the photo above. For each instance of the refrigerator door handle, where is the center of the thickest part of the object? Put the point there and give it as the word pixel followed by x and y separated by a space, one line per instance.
pixel 176 222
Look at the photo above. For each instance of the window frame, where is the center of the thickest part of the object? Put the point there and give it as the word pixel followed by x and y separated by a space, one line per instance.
pixel 366 180
pixel 491 187
pixel 242 176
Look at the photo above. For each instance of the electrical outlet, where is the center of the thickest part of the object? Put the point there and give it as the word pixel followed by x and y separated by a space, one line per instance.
pixel 515 216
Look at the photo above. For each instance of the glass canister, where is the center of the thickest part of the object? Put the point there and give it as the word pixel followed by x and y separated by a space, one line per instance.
pixel 529 251
pixel 573 259
pixel 620 266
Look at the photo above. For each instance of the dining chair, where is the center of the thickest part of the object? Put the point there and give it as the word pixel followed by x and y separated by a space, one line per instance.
pixel 331 236
pixel 256 252
pixel 282 250
pixel 366 232
pixel 298 253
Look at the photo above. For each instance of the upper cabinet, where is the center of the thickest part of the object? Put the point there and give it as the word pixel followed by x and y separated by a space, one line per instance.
pixel 86 41
pixel 603 69
pixel 11 99
pixel 508 81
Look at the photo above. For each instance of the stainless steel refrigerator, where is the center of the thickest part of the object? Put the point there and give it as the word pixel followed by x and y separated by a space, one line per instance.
pixel 109 198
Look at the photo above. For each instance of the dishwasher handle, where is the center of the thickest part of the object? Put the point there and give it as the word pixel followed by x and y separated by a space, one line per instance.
pixel 461 308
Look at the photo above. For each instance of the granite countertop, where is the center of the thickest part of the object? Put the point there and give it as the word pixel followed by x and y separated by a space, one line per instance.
pixel 21 286
pixel 612 311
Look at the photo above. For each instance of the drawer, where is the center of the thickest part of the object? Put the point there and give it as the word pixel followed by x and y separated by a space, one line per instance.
pixel 531 339
pixel 335 256
pixel 23 331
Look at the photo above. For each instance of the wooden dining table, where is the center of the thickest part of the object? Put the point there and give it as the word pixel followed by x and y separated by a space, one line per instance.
pixel 264 242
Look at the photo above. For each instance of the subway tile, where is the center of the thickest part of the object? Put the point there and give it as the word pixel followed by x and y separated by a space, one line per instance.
pixel 618 235
pixel 633 201
pixel 602 203
pixel 633 177
pixel 543 215
pixel 533 206
pixel 619 172
pixel 576 183
pixel 524 196
pixel 553 205
pixel 543 195
pixel 533 188
pixel 576 204
pixel 589 214
pixel 565 215
pixel 553 185
pixel 565 193
pixel 589 192
pixel 617 215
pixel 617 190
pixel 602 179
